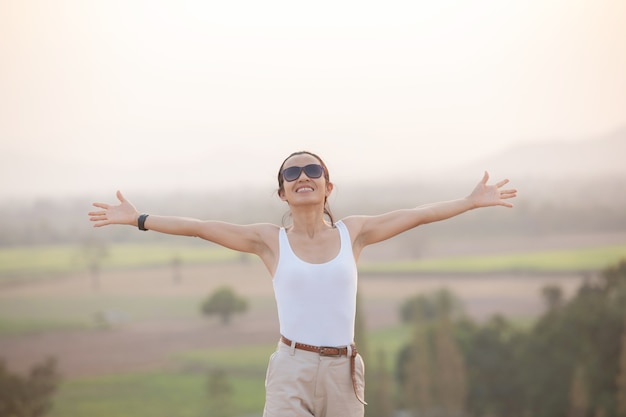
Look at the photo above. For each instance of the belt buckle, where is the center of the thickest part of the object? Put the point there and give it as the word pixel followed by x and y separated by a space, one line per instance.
pixel 331 351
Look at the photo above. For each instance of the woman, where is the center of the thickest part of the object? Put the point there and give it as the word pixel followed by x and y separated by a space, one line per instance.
pixel 316 370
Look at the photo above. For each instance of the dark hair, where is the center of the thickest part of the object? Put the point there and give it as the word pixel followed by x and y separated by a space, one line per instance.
pixel 281 181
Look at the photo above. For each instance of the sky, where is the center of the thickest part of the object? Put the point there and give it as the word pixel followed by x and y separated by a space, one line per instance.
pixel 155 95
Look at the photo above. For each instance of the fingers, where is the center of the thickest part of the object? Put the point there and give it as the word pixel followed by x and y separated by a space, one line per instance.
pixel 506 194
pixel 99 217
pixel 501 183
pixel 498 184
pixel 99 221
pixel 96 216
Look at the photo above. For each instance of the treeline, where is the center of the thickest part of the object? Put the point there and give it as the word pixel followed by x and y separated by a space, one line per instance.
pixel 570 363
pixel 28 395
pixel 64 221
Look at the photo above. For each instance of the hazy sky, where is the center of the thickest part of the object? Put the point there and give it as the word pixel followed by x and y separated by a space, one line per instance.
pixel 98 95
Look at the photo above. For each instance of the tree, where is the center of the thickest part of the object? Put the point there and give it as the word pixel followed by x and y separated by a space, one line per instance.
pixel 93 253
pixel 621 378
pixel 360 334
pixel 420 381
pixel 380 398
pixel 579 400
pixel 430 307
pixel 585 332
pixel 415 370
pixel 432 369
pixel 553 296
pixel 419 307
pixel 28 396
pixel 451 374
pixel 225 303
pixel 494 385
pixel 553 349
pixel 220 394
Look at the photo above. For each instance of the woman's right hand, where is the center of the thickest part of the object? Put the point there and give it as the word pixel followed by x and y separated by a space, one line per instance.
pixel 123 213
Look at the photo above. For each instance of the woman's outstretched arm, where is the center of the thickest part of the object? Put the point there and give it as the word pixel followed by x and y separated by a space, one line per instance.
pixel 372 229
pixel 253 238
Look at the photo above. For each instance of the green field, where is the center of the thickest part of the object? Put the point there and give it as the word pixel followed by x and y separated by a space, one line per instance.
pixel 49 261
pixel 571 260
pixel 153 394
pixel 36 314
pixel 182 392
pixel 46 261
pixel 181 389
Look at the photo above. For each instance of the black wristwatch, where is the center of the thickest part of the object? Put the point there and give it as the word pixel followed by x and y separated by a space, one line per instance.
pixel 141 220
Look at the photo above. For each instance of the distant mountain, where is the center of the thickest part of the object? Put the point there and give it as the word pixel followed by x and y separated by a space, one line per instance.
pixel 592 158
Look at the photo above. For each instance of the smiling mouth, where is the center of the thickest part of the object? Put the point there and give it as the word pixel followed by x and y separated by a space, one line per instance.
pixel 304 189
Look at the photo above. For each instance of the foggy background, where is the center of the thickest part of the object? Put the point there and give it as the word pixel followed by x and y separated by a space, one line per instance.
pixel 190 107
pixel 159 96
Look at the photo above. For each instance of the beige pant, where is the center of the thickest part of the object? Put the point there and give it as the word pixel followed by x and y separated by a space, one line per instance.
pixel 304 384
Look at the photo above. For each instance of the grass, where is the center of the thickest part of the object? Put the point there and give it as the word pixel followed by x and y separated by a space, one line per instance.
pixel 241 360
pixel 34 314
pixel 152 394
pixel 18 263
pixel 587 259
pixel 180 393
pixel 27 326
pixel 390 340
pixel 53 260
pixel 183 392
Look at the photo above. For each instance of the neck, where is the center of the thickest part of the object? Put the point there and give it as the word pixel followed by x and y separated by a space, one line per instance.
pixel 309 222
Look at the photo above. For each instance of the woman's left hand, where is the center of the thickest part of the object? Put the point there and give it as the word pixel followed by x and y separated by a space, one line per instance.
pixel 485 195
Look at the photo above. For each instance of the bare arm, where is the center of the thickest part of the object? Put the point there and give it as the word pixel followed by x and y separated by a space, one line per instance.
pixel 372 229
pixel 254 238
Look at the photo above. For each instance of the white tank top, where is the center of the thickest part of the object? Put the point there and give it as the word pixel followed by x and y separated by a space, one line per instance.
pixel 316 302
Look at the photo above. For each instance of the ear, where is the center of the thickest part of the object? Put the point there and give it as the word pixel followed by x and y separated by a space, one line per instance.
pixel 281 195
pixel 329 188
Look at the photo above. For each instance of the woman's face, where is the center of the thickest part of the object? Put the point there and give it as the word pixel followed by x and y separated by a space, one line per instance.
pixel 304 188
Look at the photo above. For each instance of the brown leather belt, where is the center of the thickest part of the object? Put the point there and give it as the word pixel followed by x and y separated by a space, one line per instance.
pixel 333 352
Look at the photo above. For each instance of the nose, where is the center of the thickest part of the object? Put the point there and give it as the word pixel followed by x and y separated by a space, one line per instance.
pixel 306 177
pixel 301 174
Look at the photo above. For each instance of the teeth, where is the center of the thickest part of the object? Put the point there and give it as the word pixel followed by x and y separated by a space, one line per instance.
pixel 304 189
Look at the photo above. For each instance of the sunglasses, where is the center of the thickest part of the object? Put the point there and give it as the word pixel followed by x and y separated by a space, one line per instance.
pixel 311 171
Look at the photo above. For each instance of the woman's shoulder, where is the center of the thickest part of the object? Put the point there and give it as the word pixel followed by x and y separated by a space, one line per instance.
pixel 352 223
pixel 264 228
